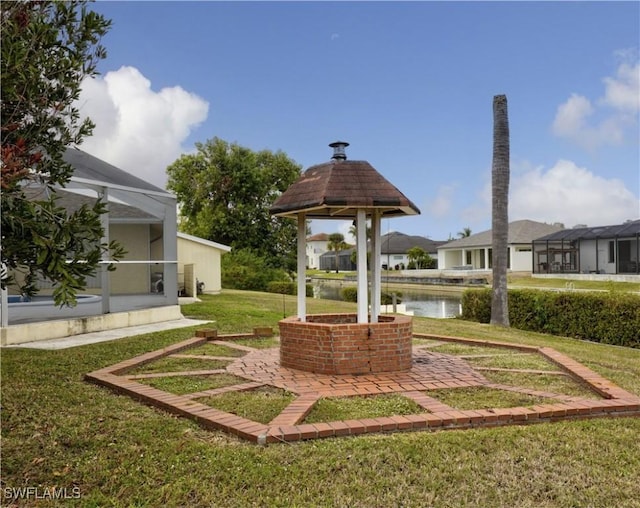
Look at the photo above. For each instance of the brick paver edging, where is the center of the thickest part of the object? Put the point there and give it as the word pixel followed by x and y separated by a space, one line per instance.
pixel 286 426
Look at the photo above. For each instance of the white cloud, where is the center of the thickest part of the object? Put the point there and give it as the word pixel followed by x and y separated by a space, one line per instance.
pixel 138 129
pixel 571 116
pixel 572 195
pixel 344 227
pixel 592 124
pixel 440 206
pixel 623 93
pixel 477 213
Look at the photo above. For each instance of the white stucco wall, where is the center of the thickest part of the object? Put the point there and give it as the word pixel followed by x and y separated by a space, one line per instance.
pixel 521 259
pixel 131 278
pixel 588 261
pixel 314 250
pixel 206 261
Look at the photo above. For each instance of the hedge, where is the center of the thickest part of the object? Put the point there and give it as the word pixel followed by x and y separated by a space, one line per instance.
pixel 287 288
pixel 350 294
pixel 610 318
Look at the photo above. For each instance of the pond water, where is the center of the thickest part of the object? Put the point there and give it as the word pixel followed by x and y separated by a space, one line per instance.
pixel 422 302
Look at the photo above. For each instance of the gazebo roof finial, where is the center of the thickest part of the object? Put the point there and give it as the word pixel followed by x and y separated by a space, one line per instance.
pixel 338 150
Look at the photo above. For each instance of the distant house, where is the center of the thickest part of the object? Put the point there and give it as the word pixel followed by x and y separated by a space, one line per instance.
pixel 395 245
pixel 604 249
pixel 199 268
pixel 317 245
pixel 474 252
pixel 344 260
pixel 393 252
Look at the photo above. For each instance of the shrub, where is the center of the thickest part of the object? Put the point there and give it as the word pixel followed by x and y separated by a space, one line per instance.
pixel 288 288
pixel 386 298
pixel 476 305
pixel 611 318
pixel 350 294
pixel 245 269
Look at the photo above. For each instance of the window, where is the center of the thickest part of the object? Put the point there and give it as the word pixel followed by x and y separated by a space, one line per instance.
pixel 612 251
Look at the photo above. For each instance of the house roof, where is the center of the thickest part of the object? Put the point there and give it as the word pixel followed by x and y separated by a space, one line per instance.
pixel 319 237
pixel 72 201
pixel 628 229
pixel 336 189
pixel 88 167
pixel 202 241
pixel 520 231
pixel 396 242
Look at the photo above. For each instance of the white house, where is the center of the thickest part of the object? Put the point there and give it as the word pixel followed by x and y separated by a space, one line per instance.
pixel 474 252
pixel 199 265
pixel 316 246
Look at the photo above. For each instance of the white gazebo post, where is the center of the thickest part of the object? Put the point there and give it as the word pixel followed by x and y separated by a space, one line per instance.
pixel 361 264
pixel 302 266
pixel 105 278
pixel 170 251
pixel 375 266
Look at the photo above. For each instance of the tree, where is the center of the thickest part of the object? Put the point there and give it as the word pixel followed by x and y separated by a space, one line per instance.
pixel 499 211
pixel 225 191
pixel 465 233
pixel 247 270
pixel 419 258
pixel 336 244
pixel 47 49
pixel 354 234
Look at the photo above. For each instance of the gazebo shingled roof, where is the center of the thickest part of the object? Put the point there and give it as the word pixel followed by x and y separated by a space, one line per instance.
pixel 334 189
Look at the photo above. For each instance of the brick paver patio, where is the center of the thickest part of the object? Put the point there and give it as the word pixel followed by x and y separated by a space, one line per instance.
pixel 430 371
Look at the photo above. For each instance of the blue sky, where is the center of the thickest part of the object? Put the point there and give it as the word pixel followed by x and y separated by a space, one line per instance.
pixel 409 84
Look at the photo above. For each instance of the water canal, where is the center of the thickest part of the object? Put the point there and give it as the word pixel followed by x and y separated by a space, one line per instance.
pixel 421 301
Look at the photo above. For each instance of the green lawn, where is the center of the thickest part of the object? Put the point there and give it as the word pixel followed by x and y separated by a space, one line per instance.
pixel 592 285
pixel 59 431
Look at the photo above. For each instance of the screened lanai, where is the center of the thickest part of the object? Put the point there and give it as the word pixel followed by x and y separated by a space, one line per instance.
pixel 141 217
pixel 596 250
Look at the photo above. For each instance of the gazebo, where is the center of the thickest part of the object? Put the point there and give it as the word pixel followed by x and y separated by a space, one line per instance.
pixel 344 190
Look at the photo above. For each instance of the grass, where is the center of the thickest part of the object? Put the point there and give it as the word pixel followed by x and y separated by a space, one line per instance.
pixel 261 405
pixel 374 406
pixel 480 397
pixel 530 361
pixel 535 283
pixel 215 350
pixel 179 365
pixel 261 343
pixel 181 385
pixel 464 349
pixel 545 382
pixel 58 430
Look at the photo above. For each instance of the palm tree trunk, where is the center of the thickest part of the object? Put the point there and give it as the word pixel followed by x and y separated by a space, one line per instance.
pixel 499 211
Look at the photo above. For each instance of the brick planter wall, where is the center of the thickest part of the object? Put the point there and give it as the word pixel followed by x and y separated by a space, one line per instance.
pixel 338 344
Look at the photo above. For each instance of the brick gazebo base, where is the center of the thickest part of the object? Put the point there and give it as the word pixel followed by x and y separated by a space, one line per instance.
pixel 338 344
